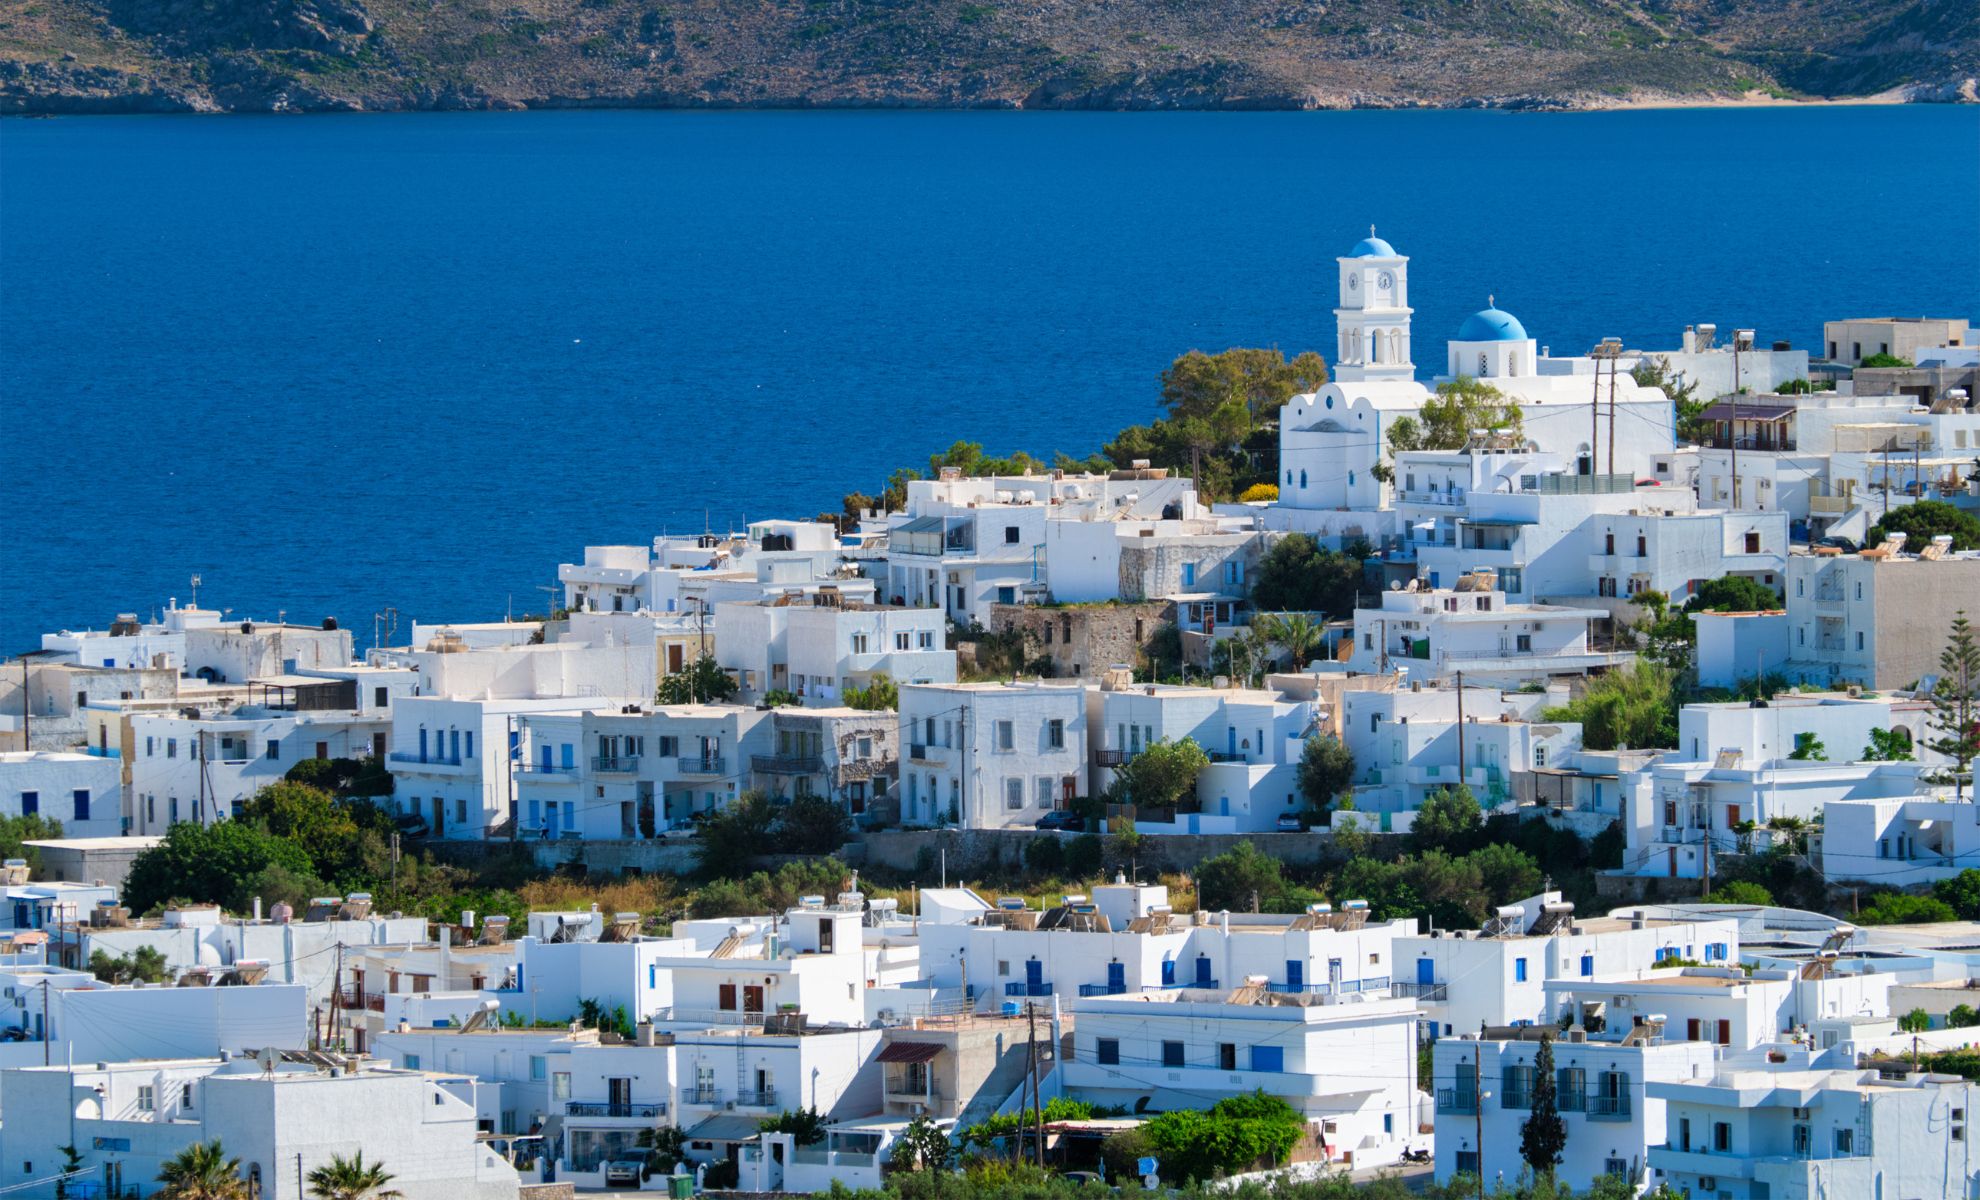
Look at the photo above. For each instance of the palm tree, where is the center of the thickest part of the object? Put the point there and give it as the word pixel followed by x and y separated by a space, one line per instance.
pixel 202 1171
pixel 1296 632
pixel 351 1179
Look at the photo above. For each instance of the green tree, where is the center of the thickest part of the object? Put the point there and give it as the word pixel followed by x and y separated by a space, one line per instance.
pixel 1198 384
pixel 311 819
pixel 1238 1133
pixel 880 694
pixel 1326 770
pixel 208 864
pixel 1741 891
pixel 1297 575
pixel 1296 633
pixel 1232 879
pixel 1448 816
pixel 732 838
pixel 782 698
pixel 703 682
pixel 1733 593
pixel 1888 745
pixel 809 824
pixel 1923 521
pixel 1956 704
pixel 351 1179
pixel 665 1146
pixel 1507 872
pixel 1882 359
pixel 1462 407
pixel 1915 1021
pixel 806 1125
pixel 922 1147
pixel 16 831
pixel 1897 908
pixel 1543 1135
pixel 1962 1016
pixel 1692 427
pixel 1808 748
pixel 146 964
pixel 1634 707
pixel 1961 893
pixel 1161 774
pixel 202 1171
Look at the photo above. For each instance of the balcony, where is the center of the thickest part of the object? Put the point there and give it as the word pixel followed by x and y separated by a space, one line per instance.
pixel 545 769
pixel 414 759
pixel 1429 993
pixel 1457 1101
pixel 700 764
pixel 705 1096
pixel 1609 1108
pixel 622 765
pixel 925 752
pixel 1096 989
pixel 1830 505
pixel 786 764
pixel 1027 989
pixel 1676 835
pixel 616 1109
pixel 1759 445
pixel 761 1098
pixel 351 998
pixel 1110 758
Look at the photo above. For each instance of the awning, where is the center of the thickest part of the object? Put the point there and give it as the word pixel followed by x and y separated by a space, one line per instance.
pixel 909 1052
pixel 1499 522
pixel 920 525
pixel 726 1127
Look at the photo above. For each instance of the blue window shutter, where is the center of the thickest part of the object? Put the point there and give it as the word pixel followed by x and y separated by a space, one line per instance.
pixel 1268 1058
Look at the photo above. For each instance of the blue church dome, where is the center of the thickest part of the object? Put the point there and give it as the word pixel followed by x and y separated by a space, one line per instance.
pixel 1491 325
pixel 1373 247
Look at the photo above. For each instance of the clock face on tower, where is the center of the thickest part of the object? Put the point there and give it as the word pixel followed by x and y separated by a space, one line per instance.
pixel 1386 281
pixel 1354 282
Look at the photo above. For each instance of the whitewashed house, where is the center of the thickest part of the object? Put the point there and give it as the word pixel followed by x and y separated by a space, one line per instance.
pixel 1345 1062
pixel 128 1118
pixel 1485 1083
pixel 459 763
pixel 83 791
pixel 634 771
pixel 990 755
pixel 1432 633
pixel 1252 736
pixel 816 646
pixel 1409 743
pixel 846 754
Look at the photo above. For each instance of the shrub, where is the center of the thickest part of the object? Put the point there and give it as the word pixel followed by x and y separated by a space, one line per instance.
pixel 1259 492
pixel 1897 908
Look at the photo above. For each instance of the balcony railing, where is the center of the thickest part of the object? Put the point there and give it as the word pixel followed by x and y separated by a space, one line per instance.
pixel 1027 989
pixel 596 1108
pixel 1609 1108
pixel 429 760
pixel 1518 1098
pixel 701 1095
pixel 1457 1100
pixel 621 765
pixel 700 764
pixel 351 998
pixel 1762 444
pixel 1095 989
pixel 787 764
pixel 1110 758
pixel 1571 1100
pixel 760 1098
pixel 1432 993
pixel 543 768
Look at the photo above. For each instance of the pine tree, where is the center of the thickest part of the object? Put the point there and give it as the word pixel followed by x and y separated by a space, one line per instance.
pixel 1544 1135
pixel 1956 702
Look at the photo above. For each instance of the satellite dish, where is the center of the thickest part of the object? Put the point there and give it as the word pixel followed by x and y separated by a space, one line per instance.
pixel 1395 585
pixel 268 1057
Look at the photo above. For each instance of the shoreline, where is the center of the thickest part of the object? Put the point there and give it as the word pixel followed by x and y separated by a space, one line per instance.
pixel 150 105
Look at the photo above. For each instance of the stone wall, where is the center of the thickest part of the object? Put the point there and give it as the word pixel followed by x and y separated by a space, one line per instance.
pixel 1083 640
pixel 600 857
pixel 969 852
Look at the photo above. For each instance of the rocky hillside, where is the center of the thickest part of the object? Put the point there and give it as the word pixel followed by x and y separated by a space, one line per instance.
pixel 261 55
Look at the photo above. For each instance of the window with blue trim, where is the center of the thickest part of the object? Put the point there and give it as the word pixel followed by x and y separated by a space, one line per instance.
pixel 1302 479
pixel 1587 965
pixel 1519 970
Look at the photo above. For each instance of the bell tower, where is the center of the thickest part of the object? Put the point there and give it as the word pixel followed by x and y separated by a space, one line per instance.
pixel 1373 315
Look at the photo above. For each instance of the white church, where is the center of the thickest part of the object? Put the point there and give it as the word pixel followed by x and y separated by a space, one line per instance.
pixel 1331 440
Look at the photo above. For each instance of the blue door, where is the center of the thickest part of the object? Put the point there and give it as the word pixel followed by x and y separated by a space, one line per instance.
pixel 1034 978
pixel 422 745
pixel 1426 971
pixel 1116 978
pixel 550 817
pixel 1295 975
pixel 1202 970
pixel 543 757
pixel 1168 972
pixel 1230 741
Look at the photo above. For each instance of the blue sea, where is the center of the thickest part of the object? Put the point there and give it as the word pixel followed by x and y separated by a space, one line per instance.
pixel 332 364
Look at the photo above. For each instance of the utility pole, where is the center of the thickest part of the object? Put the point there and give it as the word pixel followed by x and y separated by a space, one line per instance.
pixel 1594 441
pixel 1460 728
pixel 45 1031
pixel 1031 1076
pixel 1478 1059
pixel 337 989
pixel 27 742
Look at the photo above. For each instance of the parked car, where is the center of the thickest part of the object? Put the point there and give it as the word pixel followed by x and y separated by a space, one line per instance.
pixel 1839 543
pixel 411 825
pixel 623 1172
pixel 1063 819
pixel 1288 823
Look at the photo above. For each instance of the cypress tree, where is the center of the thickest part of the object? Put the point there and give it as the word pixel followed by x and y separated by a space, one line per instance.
pixel 1544 1135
